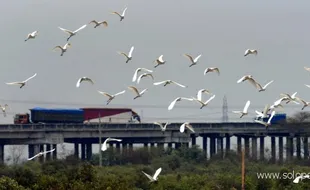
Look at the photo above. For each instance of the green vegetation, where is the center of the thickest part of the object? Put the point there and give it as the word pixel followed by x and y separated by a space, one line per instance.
pixel 183 169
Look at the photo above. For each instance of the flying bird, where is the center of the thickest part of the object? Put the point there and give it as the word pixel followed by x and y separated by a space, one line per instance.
pixel 170 107
pixel 203 104
pixel 144 75
pixel 245 109
pixel 104 145
pixel 63 49
pixel 250 51
pixel 41 153
pixel 159 61
pixel 23 83
pixel 72 33
pixel 3 108
pixel 154 177
pixel 260 88
pixel 31 35
pixel 83 79
pixel 199 94
pixel 268 123
pixel 163 127
pixel 135 90
pixel 193 61
pixel 307 85
pixel 186 125
pixel 104 23
pixel 264 113
pixel 305 103
pixel 289 97
pixel 307 68
pixel 211 69
pixel 301 177
pixel 166 82
pixel 111 97
pixel 277 103
pixel 129 56
pixel 248 78
pixel 134 78
pixel 122 16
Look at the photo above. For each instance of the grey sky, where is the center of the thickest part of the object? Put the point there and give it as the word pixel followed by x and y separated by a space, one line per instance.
pixel 219 30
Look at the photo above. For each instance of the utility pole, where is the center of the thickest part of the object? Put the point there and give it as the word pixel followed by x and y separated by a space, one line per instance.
pixel 100 153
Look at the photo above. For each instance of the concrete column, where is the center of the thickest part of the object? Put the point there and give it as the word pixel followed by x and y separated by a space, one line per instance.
pixel 76 150
pixel 30 150
pixel 298 148
pixel 83 147
pixel 89 151
pixel 48 156
pixel 254 148
pixel 212 146
pixel 262 148
pixel 36 150
pixel 145 145
pixel 227 146
pixel 170 145
pixel 220 146
pixel 118 147
pixel 306 150
pixel 281 150
pixel 185 145
pixel 1 153
pixel 55 152
pixel 239 144
pixel 177 145
pixel 41 158
pixel 273 149
pixel 130 147
pixel 247 146
pixel 204 146
pixel 193 140
pixel 290 148
pixel 111 145
pixel 124 148
pixel 152 145
pixel 160 145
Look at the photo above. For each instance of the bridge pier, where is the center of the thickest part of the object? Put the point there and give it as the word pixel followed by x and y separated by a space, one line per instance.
pixel 212 146
pixel 76 150
pixel 48 155
pixel 227 146
pixel 290 148
pixel 160 145
pixel 177 145
pixel 41 148
pixel 193 140
pixel 220 146
pixel 239 144
pixel 118 147
pixel 254 148
pixel 262 148
pixel 306 150
pixel 170 145
pixel 54 153
pixel 280 149
pixel 205 145
pixel 1 154
pixel 247 146
pixel 83 146
pixel 111 145
pixel 145 145
pixel 298 148
pixel 273 149
pixel 89 151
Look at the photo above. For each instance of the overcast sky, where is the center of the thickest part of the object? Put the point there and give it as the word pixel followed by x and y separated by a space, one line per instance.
pixel 219 30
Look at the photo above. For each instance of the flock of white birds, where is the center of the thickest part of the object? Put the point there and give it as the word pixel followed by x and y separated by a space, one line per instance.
pixel 148 73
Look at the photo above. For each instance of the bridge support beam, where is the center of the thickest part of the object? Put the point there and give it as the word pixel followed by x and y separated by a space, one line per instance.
pixel 48 156
pixel 220 146
pixel 193 140
pixel 111 145
pixel 76 150
pixel 55 152
pixel 1 153
pixel 177 145
pixel 30 150
pixel 118 147
pixel 204 145
pixel 161 145
pixel 280 150
pixel 306 150
pixel 169 145
pixel 145 145
pixel 36 150
pixel 83 147
pixel 239 144
pixel 298 148
pixel 273 149
pixel 254 148
pixel 247 146
pixel 89 151
pixel 262 148
pixel 212 146
pixel 152 145
pixel 227 146
pixel 289 148
pixel 41 158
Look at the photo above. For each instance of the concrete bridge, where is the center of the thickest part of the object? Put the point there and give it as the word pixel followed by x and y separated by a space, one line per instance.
pixel 41 137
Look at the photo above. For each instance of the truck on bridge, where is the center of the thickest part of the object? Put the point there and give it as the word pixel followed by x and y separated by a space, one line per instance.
pixel 80 115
